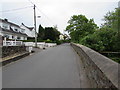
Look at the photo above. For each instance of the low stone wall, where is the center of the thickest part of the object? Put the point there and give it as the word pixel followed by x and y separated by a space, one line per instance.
pixel 9 50
pixel 101 71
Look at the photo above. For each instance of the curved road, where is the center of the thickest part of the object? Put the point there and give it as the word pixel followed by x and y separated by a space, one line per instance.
pixel 55 67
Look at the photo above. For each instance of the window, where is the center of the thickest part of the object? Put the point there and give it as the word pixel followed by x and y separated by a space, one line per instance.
pixel 16 30
pixel 7 36
pixel 12 37
pixel 22 30
pixel 18 38
pixel 5 26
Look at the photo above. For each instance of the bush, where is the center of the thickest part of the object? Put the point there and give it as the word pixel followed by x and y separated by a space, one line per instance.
pixel 48 41
pixel 30 40
pixel 58 42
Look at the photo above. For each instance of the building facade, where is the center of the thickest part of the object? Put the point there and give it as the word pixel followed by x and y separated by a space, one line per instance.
pixel 12 31
pixel 30 31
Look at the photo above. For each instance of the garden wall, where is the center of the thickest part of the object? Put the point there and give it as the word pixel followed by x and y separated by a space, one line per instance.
pixel 9 50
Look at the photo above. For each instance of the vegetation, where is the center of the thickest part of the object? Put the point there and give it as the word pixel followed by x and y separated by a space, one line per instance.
pixel 101 39
pixel 50 33
pixel 79 27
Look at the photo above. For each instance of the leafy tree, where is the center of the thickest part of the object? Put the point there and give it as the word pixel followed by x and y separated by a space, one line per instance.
pixel 51 33
pixel 57 33
pixel 41 33
pixel 112 22
pixel 102 40
pixel 79 27
pixel 105 38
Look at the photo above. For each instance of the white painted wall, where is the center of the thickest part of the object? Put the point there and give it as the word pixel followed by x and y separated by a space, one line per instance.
pixel 28 32
pixel 7 26
pixel 4 25
pixel 61 37
pixel 1 33
pixel 40 44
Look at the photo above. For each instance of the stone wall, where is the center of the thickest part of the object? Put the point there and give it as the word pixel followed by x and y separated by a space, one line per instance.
pixel 9 50
pixel 101 71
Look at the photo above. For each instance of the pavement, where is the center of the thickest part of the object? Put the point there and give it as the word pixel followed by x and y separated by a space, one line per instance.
pixel 55 67
pixel 12 58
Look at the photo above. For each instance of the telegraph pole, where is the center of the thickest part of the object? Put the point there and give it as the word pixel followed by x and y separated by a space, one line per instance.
pixel 35 26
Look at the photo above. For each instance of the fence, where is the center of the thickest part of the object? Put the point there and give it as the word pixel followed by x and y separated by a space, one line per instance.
pixel 12 43
pixel 40 44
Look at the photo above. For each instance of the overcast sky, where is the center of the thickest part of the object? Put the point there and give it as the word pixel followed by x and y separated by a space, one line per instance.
pixel 55 12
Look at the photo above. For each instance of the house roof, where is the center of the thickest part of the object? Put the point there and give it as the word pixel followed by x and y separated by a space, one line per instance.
pixel 12 31
pixel 6 21
pixel 30 28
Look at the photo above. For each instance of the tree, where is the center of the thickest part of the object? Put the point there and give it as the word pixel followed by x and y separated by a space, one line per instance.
pixel 41 33
pixel 79 27
pixel 112 22
pixel 86 32
pixel 106 38
pixel 57 33
pixel 51 33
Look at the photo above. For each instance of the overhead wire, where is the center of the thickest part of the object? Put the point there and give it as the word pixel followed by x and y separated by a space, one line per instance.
pixel 31 2
pixel 42 12
pixel 11 10
pixel 45 15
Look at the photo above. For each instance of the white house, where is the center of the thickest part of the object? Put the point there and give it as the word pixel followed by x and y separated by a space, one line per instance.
pixel 61 37
pixel 30 31
pixel 11 31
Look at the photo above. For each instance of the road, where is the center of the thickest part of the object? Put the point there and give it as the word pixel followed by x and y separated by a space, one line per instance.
pixel 55 67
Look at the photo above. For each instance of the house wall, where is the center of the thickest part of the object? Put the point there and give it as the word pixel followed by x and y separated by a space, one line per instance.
pixel 7 25
pixel 61 37
pixel 14 36
pixel 16 29
pixel 33 33
pixel 1 33
pixel 28 32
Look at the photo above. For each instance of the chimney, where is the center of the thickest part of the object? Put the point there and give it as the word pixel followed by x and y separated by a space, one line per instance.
pixel 6 20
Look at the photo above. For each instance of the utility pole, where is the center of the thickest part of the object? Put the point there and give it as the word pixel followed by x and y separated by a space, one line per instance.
pixel 35 27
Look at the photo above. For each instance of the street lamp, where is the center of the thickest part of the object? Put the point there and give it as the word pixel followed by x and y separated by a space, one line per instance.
pixel 36 33
pixel 38 16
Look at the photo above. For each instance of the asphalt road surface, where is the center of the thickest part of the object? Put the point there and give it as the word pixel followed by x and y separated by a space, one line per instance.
pixel 55 67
